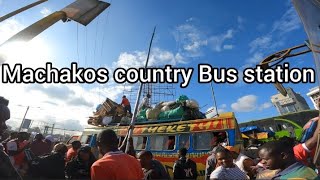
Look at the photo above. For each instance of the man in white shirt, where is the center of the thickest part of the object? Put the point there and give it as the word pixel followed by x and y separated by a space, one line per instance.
pixel 244 163
pixel 227 169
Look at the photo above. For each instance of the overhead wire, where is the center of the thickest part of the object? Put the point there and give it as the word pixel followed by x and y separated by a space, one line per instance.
pixel 102 46
pixel 78 56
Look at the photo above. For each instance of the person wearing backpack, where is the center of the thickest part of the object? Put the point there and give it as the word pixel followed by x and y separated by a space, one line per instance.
pixel 184 168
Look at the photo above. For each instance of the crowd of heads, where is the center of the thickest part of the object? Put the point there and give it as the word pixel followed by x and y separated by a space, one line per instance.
pixel 35 157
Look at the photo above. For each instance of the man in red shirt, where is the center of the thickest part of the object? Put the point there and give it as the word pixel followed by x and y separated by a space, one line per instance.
pixel 73 151
pixel 114 165
pixel 126 104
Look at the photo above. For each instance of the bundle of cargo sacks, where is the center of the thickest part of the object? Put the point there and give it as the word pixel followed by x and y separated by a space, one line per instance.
pixel 181 109
pixel 106 113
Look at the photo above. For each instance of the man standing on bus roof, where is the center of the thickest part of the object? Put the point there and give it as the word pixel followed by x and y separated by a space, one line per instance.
pixel 114 164
pixel 126 104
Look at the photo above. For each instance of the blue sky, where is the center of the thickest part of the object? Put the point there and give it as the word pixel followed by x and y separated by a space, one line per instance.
pixel 226 34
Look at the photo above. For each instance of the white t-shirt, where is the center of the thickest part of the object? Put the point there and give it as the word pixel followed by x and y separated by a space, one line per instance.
pixel 239 161
pixel 12 146
pixel 228 173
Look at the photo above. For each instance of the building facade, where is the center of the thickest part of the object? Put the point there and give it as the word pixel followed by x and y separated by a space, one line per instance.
pixel 279 123
pixel 314 95
pixel 293 102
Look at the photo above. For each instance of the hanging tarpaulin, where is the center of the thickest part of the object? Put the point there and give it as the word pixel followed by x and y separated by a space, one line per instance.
pixel 26 124
pixel 84 11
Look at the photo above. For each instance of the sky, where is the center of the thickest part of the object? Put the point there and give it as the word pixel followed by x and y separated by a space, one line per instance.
pixel 224 34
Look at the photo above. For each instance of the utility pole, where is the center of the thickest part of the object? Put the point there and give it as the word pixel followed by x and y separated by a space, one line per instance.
pixel 21 10
pixel 24 118
pixel 134 116
pixel 52 129
pixel 214 99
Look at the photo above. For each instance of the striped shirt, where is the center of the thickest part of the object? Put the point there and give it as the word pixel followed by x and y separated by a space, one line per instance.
pixel 228 173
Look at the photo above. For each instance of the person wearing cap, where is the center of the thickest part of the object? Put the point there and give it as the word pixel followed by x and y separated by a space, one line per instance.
pixel 38 146
pixel 7 171
pixel 73 151
pixel 79 167
pixel 242 161
pixel 114 164
pixel 126 105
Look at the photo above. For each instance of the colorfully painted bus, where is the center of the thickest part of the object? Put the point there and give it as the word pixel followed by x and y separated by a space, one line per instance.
pixel 165 139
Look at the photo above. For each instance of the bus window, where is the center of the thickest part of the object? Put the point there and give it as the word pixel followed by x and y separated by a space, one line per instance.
pixel 162 142
pixel 89 139
pixel 206 140
pixel 171 143
pixel 139 142
pixel 85 139
pixel 201 140
pixel 184 141
pixel 73 138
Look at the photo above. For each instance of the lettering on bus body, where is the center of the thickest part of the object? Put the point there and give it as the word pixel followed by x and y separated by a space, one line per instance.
pixel 198 126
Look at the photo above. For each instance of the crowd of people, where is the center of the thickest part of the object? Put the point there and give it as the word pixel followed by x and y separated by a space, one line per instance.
pixel 283 158
pixel 42 158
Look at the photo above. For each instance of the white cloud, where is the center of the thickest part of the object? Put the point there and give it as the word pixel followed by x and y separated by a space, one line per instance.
pixel 76 105
pixel 9 28
pixel 228 46
pixel 45 11
pixel 61 92
pixel 265 105
pixel 217 41
pixel 263 42
pixel 158 57
pixel 288 22
pixel 32 54
pixel 245 104
pixel 190 19
pixel 254 60
pixel 249 103
pixel 190 38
